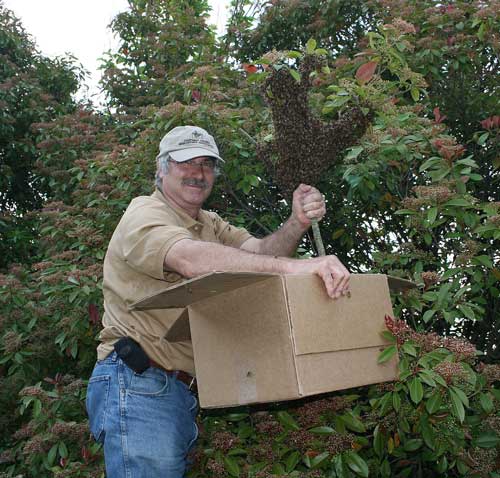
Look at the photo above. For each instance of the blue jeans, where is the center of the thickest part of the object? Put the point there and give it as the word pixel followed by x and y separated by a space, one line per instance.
pixel 145 421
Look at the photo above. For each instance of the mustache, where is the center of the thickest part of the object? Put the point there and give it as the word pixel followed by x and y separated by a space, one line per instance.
pixel 200 183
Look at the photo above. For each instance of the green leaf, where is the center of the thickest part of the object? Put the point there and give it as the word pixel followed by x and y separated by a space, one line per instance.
pixel 461 395
pixel 51 457
pixel 389 336
pixel 396 401
pixel 443 293
pixel 427 432
pixel 385 403
pixel 428 315
pixel 356 464
pixel 293 54
pixel 409 349
pixel 279 469
pixel 63 450
pixel 37 408
pixel 416 390
pixel 457 407
pixel 415 94
pixel 378 441
pixel 442 465
pixel 387 354
pixel 483 260
pixel 287 420
pixel 237 452
pixel 482 139
pixel 311 46
pixel 354 152
pixel 317 460
pixel 296 75
pixel 487 439
pixel 486 401
pixel 231 466
pixel 353 423
pixel 432 215
pixel 458 203
pixel 236 417
pixel 292 461
pixel 413 444
pixel 324 430
pixel 427 378
pixel 467 311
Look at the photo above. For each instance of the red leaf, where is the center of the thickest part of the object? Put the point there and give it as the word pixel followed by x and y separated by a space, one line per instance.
pixel 196 95
pixel 250 68
pixel 93 314
pixel 491 122
pixel 437 116
pixel 366 71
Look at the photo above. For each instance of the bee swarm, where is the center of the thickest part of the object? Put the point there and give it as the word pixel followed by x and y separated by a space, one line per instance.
pixel 305 146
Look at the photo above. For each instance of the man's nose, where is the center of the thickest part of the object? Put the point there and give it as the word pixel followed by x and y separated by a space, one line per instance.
pixel 197 171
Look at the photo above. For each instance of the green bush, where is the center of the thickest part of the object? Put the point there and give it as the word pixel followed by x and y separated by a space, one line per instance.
pixel 416 198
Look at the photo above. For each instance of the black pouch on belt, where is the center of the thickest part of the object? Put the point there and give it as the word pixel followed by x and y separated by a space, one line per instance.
pixel 132 354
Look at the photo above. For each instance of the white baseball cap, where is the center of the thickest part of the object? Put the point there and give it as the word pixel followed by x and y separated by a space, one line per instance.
pixel 187 142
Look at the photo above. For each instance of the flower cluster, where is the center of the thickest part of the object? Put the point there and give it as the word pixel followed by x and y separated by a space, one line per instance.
pixel 12 342
pixel 439 194
pixel 490 371
pixel 224 441
pixel 461 348
pixel 70 430
pixel 337 443
pixel 311 413
pixel 430 278
pixel 216 468
pixel 451 371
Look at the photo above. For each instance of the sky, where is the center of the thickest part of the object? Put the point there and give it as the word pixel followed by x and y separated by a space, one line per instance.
pixel 79 27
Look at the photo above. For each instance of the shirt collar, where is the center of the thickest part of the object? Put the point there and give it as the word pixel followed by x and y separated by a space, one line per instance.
pixel 186 218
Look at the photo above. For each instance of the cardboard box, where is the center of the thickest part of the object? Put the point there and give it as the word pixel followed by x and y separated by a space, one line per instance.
pixel 267 337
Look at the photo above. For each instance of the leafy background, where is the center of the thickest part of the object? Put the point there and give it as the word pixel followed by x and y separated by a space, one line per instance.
pixel 418 197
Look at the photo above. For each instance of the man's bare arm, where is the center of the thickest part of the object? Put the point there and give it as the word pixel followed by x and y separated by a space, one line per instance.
pixel 308 203
pixel 193 258
pixel 282 242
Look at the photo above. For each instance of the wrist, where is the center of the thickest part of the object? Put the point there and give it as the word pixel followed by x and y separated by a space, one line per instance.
pixel 301 226
pixel 283 265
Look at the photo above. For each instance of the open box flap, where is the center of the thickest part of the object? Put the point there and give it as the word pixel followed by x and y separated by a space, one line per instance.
pixel 396 284
pixel 193 290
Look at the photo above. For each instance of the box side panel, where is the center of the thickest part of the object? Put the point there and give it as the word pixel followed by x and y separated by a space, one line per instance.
pixel 321 324
pixel 242 346
pixel 326 372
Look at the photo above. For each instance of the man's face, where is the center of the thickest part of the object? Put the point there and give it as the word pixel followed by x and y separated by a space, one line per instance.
pixel 189 184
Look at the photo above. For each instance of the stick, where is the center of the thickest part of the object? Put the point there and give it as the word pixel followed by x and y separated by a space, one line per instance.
pixel 317 237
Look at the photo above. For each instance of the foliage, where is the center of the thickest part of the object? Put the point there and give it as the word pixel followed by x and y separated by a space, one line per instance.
pixel 157 39
pixel 408 200
pixel 32 88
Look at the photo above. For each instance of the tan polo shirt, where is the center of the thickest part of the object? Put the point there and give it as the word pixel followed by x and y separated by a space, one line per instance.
pixel 133 269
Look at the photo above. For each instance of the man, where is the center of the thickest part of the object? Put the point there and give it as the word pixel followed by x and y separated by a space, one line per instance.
pixel 140 397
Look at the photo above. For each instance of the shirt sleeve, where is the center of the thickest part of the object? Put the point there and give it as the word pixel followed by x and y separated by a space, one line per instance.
pixel 230 235
pixel 146 239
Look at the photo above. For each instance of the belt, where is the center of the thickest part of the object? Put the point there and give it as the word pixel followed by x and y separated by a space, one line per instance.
pixel 184 377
